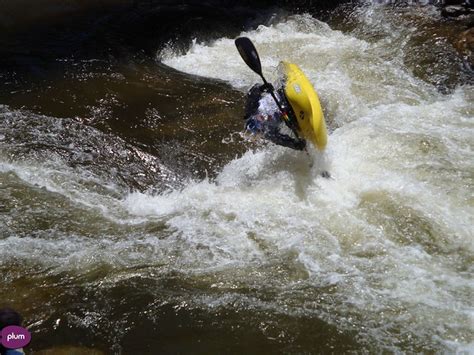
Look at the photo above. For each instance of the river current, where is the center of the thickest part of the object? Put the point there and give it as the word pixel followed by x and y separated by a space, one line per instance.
pixel 203 242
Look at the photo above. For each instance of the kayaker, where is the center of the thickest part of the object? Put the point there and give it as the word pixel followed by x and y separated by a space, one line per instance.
pixel 263 117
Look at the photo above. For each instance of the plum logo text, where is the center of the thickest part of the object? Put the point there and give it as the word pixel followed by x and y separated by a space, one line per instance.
pixel 15 337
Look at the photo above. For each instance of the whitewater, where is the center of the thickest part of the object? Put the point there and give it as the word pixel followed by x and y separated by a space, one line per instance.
pixel 384 248
pixel 391 231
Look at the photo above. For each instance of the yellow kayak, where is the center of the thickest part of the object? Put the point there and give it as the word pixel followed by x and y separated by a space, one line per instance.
pixel 305 103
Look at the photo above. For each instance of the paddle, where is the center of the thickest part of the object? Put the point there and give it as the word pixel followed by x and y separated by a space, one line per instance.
pixel 249 54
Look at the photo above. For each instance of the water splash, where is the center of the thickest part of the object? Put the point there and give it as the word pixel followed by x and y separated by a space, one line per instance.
pixel 384 247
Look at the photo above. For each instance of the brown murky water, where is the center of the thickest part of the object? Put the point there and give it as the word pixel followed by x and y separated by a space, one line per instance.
pixel 136 219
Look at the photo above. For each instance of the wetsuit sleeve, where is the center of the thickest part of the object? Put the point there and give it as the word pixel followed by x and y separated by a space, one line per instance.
pixel 285 140
pixel 253 97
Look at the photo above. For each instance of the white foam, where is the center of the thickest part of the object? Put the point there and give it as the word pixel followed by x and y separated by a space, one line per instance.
pixel 388 233
pixel 387 224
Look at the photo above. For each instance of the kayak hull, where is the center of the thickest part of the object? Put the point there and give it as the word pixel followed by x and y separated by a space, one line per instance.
pixel 305 103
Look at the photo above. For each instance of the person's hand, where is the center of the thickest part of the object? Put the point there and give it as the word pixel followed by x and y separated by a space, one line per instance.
pixel 267 87
pixel 300 145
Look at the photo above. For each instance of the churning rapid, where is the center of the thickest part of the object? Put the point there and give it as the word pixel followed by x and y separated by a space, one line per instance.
pixel 391 232
pixel 377 258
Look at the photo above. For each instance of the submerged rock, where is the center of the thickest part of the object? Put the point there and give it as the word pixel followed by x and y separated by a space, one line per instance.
pixel 455 10
pixel 465 46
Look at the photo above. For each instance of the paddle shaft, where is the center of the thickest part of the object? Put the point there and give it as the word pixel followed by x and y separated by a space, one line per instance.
pixel 273 95
pixel 280 107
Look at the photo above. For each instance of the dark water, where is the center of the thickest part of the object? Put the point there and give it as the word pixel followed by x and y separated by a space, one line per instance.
pixel 88 115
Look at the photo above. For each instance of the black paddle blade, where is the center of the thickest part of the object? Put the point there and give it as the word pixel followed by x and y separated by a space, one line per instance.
pixel 249 54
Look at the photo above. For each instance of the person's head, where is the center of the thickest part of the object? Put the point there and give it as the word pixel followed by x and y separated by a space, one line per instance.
pixel 8 317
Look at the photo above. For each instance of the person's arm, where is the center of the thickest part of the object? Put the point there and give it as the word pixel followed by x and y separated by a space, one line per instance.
pixel 285 140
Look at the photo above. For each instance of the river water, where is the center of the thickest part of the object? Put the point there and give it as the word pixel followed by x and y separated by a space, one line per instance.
pixel 135 217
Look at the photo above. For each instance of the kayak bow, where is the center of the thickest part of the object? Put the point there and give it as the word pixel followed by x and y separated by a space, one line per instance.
pixel 305 103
